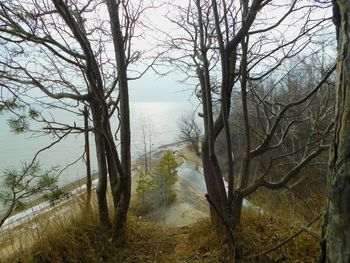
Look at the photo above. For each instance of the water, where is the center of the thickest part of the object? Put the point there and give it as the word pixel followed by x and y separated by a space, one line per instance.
pixel 158 121
pixel 193 175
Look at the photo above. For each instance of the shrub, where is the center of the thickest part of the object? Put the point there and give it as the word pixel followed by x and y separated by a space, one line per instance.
pixel 154 189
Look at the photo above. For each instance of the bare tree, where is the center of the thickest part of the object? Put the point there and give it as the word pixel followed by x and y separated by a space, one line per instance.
pixel 233 48
pixel 147 145
pixel 336 243
pixel 190 131
pixel 60 50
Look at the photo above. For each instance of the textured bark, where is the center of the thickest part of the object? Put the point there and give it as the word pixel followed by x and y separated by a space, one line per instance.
pixel 336 246
pixel 212 172
pixel 225 101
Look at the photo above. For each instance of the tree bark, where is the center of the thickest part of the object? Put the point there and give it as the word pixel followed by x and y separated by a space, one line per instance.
pixel 101 188
pixel 336 232
pixel 212 172
pixel 124 184
pixel 98 106
pixel 216 189
pixel 225 101
pixel 87 157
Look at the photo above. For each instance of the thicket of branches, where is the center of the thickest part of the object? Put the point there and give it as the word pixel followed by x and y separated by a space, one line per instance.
pixel 253 60
pixel 65 55
pixel 247 63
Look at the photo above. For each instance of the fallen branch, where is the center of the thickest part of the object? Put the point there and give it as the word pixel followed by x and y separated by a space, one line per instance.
pixel 312 232
pixel 256 256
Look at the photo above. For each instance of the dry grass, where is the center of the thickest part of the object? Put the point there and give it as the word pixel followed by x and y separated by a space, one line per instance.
pixel 190 155
pixel 259 233
pixel 45 230
pixel 285 214
pixel 79 238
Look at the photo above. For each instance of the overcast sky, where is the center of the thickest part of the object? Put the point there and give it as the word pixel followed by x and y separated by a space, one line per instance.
pixel 153 88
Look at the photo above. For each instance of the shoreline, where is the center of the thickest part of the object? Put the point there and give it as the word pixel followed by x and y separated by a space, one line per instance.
pixel 75 188
pixel 189 206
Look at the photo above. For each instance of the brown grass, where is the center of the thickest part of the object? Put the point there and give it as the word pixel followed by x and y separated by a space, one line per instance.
pixel 79 238
pixel 259 233
pixel 190 155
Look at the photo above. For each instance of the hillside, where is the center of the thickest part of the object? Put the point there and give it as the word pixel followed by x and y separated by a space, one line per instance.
pixel 80 239
pixel 183 235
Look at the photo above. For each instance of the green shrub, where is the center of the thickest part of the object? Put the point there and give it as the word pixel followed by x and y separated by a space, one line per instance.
pixel 154 189
pixel 56 195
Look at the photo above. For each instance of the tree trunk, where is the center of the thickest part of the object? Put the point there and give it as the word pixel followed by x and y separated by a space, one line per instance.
pixel 124 184
pixel 87 157
pixel 101 188
pixel 216 189
pixel 225 101
pixel 336 245
pixel 113 176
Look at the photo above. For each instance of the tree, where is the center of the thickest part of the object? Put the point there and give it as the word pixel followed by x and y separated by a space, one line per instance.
pixel 336 244
pixel 147 145
pixel 87 157
pixel 235 48
pixel 163 177
pixel 154 189
pixel 27 182
pixel 143 191
pixel 190 131
pixel 60 50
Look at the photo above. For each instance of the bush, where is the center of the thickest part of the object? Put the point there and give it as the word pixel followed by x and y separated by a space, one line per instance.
pixel 154 189
pixel 56 195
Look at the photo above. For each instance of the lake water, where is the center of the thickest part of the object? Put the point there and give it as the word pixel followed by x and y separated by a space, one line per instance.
pixel 158 121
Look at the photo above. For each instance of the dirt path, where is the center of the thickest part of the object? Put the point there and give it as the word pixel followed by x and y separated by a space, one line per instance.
pixel 190 204
pixel 188 208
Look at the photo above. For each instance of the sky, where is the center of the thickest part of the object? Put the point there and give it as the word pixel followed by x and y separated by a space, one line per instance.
pixel 154 88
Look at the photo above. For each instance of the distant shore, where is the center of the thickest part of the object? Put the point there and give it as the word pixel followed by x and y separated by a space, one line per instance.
pixel 78 186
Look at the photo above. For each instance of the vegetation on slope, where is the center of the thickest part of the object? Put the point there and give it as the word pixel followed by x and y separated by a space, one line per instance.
pixel 79 238
pixel 154 189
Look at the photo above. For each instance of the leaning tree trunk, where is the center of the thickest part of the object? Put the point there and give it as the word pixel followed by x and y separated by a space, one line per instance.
pixel 336 246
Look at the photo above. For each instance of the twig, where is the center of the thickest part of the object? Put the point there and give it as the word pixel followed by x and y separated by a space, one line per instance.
pixel 312 232
pixel 299 196
pixel 287 240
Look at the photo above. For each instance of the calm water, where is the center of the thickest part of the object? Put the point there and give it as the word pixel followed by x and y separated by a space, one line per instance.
pixel 158 121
